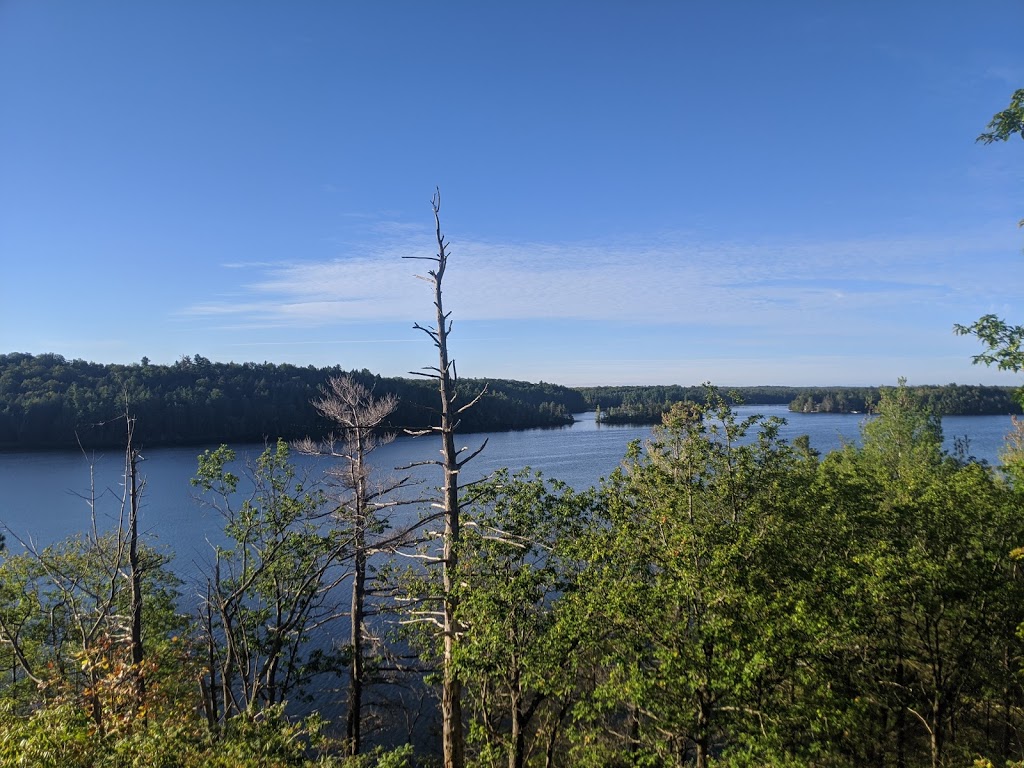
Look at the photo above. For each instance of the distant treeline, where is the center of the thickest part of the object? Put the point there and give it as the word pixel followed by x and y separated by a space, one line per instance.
pixel 645 405
pixel 944 400
pixel 47 400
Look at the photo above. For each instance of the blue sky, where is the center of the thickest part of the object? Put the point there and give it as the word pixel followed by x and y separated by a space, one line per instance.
pixel 635 192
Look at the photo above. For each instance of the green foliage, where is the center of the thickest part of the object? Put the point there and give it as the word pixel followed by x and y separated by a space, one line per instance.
pixel 724 599
pixel 930 598
pixel 400 757
pixel 63 627
pixel 46 399
pixel 518 639
pixel 270 586
pixel 1008 122
pixel 677 580
pixel 1002 340
pixel 752 604
pixel 647 405
pixel 944 400
pixel 644 397
pixel 59 736
pixel 516 655
pixel 63 736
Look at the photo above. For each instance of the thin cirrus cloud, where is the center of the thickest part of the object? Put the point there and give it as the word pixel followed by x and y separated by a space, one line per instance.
pixel 670 279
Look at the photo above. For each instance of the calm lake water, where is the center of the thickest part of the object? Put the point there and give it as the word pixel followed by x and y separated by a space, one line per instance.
pixel 42 493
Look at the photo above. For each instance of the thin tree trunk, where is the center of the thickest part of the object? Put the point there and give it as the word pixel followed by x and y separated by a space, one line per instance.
pixel 453 740
pixel 451 692
pixel 135 567
pixel 901 708
pixel 517 738
pixel 355 702
pixel 210 698
pixel 701 740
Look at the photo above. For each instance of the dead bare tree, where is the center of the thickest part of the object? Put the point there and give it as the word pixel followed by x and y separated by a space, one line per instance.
pixel 360 503
pixel 135 569
pixel 453 740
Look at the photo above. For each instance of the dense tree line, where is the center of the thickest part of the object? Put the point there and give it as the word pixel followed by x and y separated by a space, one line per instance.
pixel 647 404
pixel 946 400
pixel 724 599
pixel 45 400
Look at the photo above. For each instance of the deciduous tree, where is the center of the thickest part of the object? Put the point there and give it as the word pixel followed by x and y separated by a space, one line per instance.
pixel 687 583
pixel 271 588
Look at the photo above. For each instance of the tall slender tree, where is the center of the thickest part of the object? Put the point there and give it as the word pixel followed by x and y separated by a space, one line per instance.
pixel 451 462
pixel 132 492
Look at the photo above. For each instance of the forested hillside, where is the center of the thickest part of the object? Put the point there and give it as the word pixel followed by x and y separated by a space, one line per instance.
pixel 45 400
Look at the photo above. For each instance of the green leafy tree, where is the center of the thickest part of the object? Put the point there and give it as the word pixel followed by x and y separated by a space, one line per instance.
pixel 686 579
pixel 925 636
pixel 519 645
pixel 270 588
pixel 65 630
pixel 76 615
pixel 1009 122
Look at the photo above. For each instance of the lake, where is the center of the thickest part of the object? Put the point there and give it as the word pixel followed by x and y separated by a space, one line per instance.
pixel 43 493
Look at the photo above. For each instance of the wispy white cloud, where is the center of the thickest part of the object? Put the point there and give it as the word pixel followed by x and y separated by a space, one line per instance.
pixel 318 342
pixel 674 278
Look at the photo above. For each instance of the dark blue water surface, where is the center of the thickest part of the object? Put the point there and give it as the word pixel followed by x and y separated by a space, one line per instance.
pixel 42 493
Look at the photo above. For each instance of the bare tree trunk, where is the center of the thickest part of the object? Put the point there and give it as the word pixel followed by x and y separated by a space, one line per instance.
pixel 358 472
pixel 451 693
pixel 358 413
pixel 134 566
pixel 355 699
pixel 901 709
pixel 209 690
pixel 702 739
pixel 453 741
pixel 938 716
pixel 517 736
pixel 1004 744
